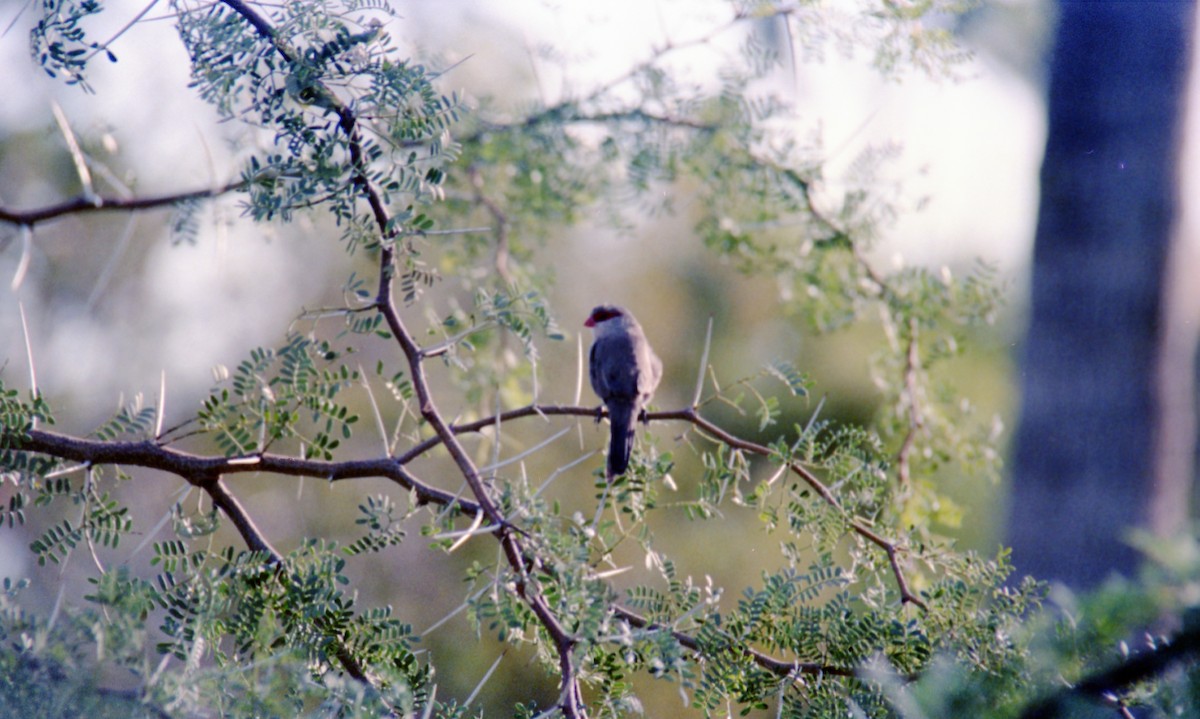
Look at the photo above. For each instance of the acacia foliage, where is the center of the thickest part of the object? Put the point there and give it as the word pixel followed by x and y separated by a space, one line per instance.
pixel 867 598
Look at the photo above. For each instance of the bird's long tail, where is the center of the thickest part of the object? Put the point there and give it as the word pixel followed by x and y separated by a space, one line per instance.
pixel 621 445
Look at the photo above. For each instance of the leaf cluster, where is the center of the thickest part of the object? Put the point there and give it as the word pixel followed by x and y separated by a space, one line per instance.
pixel 289 393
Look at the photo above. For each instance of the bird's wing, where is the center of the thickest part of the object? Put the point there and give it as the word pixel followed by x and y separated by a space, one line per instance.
pixel 648 381
pixel 594 374
pixel 614 368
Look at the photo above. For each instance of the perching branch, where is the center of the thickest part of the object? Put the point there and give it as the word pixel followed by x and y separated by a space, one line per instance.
pixel 692 416
pixel 154 456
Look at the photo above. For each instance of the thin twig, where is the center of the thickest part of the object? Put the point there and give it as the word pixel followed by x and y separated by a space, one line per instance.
pixel 703 364
pixel 779 667
pixel 912 368
pixel 124 28
pixel 81 166
pixel 33 383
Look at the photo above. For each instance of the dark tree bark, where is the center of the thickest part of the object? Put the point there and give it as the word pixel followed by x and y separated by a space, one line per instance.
pixel 1083 471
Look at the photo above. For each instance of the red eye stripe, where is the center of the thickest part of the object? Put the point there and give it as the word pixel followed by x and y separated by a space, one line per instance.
pixel 601 314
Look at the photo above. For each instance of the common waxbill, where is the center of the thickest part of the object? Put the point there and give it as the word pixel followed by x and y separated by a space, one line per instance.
pixel 625 372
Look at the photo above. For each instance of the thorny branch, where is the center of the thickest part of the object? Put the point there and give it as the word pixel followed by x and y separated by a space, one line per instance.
pixel 81 205
pixel 892 550
pixel 692 416
pixel 571 702
pixel 153 455
pixel 207 472
pixel 910 395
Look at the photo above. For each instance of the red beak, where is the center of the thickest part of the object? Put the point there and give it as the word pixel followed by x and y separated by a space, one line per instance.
pixel 590 322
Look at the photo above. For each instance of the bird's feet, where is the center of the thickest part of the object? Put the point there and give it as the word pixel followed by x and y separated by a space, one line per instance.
pixel 599 413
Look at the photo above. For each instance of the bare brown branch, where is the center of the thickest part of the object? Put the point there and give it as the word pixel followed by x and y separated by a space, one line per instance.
pixel 515 554
pixel 237 514
pixel 152 455
pixel 82 205
pixel 257 541
pixel 892 550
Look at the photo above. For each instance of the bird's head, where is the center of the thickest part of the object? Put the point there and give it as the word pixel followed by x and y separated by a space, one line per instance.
pixel 603 313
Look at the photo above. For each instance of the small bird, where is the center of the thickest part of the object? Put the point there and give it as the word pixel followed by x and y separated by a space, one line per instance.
pixel 624 372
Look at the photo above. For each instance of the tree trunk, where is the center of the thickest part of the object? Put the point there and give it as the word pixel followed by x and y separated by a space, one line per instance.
pixel 1084 467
